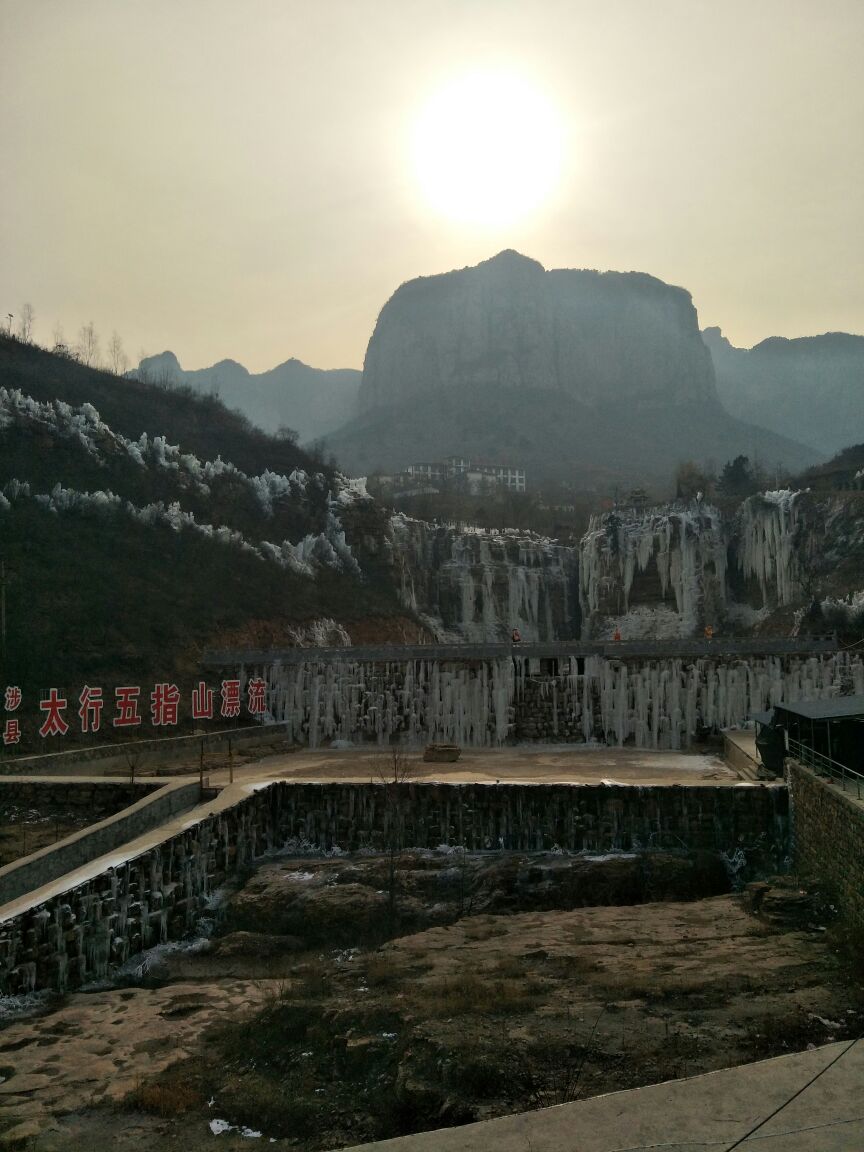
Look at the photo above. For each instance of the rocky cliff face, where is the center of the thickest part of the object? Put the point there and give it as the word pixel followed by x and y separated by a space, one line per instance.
pixel 478 585
pixel 597 378
pixel 509 324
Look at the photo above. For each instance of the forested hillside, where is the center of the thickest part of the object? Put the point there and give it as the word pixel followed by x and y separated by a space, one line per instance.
pixel 139 526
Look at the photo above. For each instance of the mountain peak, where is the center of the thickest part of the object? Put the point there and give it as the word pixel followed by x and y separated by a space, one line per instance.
pixel 509 260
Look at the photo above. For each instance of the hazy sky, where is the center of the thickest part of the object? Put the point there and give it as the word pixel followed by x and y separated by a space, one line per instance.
pixel 236 178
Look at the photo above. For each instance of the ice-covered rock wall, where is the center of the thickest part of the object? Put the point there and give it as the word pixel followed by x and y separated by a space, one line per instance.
pixel 649 703
pixel 479 585
pixel 659 572
pixel 421 700
pixel 767 547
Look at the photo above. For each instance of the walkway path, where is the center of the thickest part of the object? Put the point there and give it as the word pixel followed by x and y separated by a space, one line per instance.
pixel 397 653
pixel 815 1098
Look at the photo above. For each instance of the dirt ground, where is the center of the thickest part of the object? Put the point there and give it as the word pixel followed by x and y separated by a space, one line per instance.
pixel 526 764
pixel 496 1001
pixel 20 837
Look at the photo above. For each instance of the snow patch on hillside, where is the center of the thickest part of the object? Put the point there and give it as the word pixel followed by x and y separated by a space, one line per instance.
pixel 84 425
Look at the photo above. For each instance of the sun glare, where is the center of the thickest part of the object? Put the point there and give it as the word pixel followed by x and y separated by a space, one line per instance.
pixel 487 149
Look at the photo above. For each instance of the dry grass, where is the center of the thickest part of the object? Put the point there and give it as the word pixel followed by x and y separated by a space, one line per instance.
pixel 473 995
pixel 165 1098
pixel 480 932
pixel 383 970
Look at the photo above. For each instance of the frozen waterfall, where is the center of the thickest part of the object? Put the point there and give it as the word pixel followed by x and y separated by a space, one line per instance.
pixel 669 556
pixel 480 584
pixel 649 703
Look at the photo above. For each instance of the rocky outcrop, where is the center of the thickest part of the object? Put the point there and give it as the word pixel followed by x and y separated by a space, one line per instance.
pixel 508 323
pixel 670 561
pixel 591 376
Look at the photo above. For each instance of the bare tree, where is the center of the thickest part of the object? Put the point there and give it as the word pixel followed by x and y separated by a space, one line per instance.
pixel 88 344
pixel 117 359
pixel 393 771
pixel 59 337
pixel 145 374
pixel 25 323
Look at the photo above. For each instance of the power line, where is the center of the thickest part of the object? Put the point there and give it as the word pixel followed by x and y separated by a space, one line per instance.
pixel 794 1096
pixel 669 1144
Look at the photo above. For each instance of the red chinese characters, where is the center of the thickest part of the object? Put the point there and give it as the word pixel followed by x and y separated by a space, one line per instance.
pixel 90 708
pixel 165 706
pixel 164 702
pixel 230 698
pixel 126 700
pixel 202 702
pixel 54 705
pixel 255 690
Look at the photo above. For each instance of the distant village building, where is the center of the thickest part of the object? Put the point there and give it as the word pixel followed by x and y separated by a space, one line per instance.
pixel 476 475
pixel 429 472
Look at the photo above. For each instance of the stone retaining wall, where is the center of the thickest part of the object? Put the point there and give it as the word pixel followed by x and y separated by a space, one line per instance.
pixel 828 838
pixel 83 933
pixel 535 817
pixel 23 876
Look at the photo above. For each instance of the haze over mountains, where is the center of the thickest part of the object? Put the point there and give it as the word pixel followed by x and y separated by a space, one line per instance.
pixel 312 401
pixel 811 388
pixel 593 377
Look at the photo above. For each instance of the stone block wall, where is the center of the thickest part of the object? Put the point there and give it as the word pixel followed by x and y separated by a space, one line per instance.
pixel 828 838
pixel 81 934
pixel 536 817
pixel 107 835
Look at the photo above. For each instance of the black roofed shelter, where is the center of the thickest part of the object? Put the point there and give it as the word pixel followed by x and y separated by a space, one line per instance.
pixel 827 735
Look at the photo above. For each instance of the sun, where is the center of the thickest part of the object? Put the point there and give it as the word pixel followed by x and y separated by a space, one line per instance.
pixel 487 149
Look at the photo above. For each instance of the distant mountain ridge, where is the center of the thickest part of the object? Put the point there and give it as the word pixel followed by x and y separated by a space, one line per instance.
pixel 312 401
pixel 811 387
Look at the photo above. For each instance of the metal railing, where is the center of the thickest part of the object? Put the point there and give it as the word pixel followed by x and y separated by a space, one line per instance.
pixel 611 649
pixel 824 766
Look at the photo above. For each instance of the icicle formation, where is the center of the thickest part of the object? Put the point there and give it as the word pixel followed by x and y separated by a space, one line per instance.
pixel 85 426
pixel 683 548
pixel 653 704
pixel 767 551
pixel 329 548
pixel 418 700
pixel 480 584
